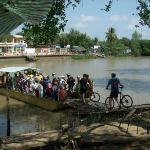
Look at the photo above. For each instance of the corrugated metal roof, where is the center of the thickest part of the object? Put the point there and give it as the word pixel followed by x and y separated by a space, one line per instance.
pixel 14 13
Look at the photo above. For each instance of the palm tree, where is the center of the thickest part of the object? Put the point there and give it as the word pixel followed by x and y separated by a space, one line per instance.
pixel 111 39
pixel 111 35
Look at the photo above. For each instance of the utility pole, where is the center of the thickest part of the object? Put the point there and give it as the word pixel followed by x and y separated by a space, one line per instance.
pixel 8 115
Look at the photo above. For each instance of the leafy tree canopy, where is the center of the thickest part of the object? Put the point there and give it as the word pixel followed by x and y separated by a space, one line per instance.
pixel 136 36
pixel 54 23
pixel 75 38
pixel 111 35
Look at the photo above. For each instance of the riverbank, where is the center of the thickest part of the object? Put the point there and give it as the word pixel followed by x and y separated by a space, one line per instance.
pixel 86 56
pixel 39 56
pixel 73 56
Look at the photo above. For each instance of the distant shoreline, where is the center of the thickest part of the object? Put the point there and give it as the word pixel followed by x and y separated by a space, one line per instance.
pixel 23 56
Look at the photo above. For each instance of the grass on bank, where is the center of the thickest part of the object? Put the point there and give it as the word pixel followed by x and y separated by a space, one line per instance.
pixel 83 56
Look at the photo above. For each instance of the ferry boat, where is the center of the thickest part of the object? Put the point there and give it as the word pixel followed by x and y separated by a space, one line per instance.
pixel 44 103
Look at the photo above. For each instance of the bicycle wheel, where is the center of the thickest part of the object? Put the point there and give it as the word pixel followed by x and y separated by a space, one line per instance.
pixel 72 145
pixel 126 101
pixel 107 103
pixel 95 97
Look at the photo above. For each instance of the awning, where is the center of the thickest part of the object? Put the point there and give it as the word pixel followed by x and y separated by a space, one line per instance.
pixel 16 69
pixel 20 45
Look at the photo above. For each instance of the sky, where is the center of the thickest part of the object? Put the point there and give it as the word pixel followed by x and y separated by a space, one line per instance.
pixel 88 18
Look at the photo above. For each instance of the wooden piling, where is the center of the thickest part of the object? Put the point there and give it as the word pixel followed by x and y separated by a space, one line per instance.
pixel 8 116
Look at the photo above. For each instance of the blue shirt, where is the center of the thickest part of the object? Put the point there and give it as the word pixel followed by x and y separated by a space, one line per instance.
pixel 114 82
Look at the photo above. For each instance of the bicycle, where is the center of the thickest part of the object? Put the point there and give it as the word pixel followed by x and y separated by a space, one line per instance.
pixel 94 97
pixel 125 101
pixel 70 142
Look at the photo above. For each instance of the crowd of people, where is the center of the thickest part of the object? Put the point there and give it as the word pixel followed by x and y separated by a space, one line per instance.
pixel 58 88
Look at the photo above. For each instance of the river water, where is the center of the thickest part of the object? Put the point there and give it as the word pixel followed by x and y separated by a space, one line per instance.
pixel 133 72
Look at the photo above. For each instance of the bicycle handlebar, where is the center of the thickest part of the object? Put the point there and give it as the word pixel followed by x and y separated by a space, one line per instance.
pixel 120 87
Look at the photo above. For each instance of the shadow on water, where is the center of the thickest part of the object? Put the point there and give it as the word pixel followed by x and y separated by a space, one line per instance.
pixel 135 85
pixel 141 71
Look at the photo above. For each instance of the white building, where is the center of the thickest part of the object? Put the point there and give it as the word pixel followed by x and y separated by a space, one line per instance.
pixel 12 44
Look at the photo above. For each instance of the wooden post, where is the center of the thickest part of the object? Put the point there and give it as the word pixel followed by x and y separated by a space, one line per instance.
pixel 138 127
pixel 8 116
pixel 147 127
pixel 128 126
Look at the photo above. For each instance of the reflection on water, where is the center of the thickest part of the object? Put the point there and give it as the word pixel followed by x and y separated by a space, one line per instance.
pixel 130 84
pixel 3 125
pixel 25 118
pixel 134 73
pixel 141 71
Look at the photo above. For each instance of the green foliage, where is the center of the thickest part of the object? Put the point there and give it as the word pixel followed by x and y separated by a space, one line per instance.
pixel 83 56
pixel 138 46
pixel 75 38
pixel 144 12
pixel 111 41
pixel 95 41
pixel 51 26
pixel 111 35
pixel 135 47
pixel 136 36
pixel 46 31
pixel 125 41
pixel 145 47
pixel 115 49
pixel 6 38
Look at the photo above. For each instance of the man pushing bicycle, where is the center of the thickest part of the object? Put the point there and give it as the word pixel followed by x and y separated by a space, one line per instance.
pixel 115 84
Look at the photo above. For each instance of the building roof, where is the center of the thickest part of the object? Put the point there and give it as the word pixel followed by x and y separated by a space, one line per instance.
pixel 13 13
pixel 15 69
pixel 79 48
pixel 17 36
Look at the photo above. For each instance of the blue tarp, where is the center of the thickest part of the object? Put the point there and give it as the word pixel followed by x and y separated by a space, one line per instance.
pixel 20 45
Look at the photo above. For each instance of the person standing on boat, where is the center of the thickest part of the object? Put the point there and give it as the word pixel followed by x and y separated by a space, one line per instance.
pixel 38 88
pixel 63 82
pixel 9 81
pixel 29 74
pixel 47 86
pixel 77 88
pixel 83 87
pixel 39 76
pixel 4 80
pixel 32 87
pixel 55 85
pixel 62 89
pixel 14 80
pixel 70 82
pixel 53 76
pixel 89 86
pixel 44 83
